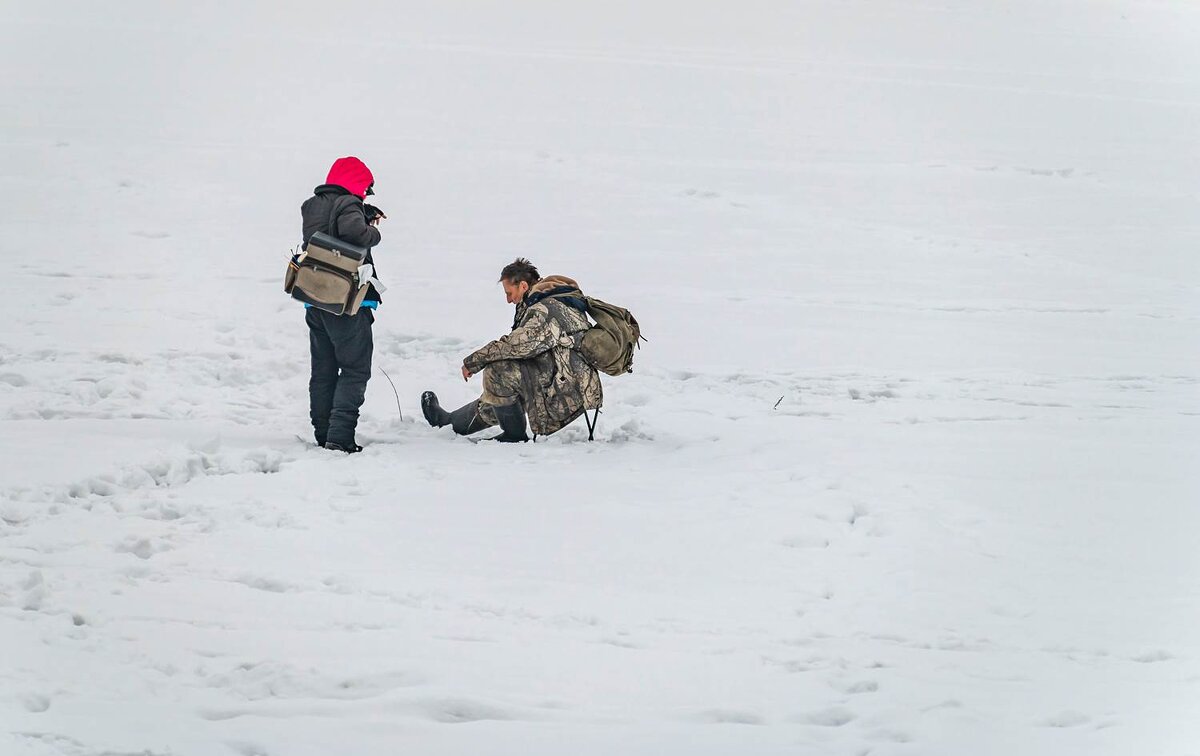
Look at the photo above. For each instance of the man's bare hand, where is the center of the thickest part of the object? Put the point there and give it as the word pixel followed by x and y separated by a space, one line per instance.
pixel 466 373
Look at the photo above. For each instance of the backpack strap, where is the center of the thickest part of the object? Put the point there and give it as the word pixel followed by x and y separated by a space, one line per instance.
pixel 340 203
pixel 336 210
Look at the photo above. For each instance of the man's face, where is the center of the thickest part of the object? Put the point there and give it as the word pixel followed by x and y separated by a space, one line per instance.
pixel 514 292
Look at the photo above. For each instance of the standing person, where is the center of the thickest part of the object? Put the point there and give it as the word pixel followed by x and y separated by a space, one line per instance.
pixel 534 369
pixel 341 345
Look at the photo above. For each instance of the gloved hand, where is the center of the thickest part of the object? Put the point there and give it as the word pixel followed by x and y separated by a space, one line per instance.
pixel 374 214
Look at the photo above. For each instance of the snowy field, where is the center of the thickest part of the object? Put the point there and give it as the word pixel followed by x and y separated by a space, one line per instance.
pixel 907 467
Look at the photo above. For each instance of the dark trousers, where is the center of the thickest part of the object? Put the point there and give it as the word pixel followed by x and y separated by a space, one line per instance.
pixel 341 349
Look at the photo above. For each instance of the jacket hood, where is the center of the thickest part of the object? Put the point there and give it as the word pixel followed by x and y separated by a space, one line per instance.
pixel 552 282
pixel 351 174
pixel 561 288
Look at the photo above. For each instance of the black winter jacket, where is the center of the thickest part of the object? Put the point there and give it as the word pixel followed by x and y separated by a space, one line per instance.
pixel 350 225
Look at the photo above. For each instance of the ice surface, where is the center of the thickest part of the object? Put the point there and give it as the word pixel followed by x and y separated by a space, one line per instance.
pixel 908 465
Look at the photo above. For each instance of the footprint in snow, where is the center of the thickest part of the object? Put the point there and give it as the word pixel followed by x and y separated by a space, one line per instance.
pixel 858 687
pixel 729 716
pixel 891 736
pixel 35 702
pixel 1150 657
pixel 835 716
pixel 806 542
pixel 270 585
pixel 619 642
pixel 142 548
pixel 461 710
pixel 1066 719
pixel 35 592
pixel 271 680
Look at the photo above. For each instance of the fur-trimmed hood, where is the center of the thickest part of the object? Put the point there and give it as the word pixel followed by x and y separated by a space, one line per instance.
pixel 552 282
pixel 561 288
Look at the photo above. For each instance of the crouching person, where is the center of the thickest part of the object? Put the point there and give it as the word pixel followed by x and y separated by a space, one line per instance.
pixel 534 370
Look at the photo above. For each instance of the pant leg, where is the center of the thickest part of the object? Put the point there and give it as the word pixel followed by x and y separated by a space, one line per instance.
pixel 502 383
pixel 324 374
pixel 353 345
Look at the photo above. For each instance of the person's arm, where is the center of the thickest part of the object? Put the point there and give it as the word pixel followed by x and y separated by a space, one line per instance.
pixel 352 227
pixel 537 334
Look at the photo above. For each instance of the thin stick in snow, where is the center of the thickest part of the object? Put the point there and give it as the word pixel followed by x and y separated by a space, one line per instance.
pixel 397 393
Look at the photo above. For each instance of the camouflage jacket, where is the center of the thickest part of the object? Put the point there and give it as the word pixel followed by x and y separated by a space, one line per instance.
pixel 557 384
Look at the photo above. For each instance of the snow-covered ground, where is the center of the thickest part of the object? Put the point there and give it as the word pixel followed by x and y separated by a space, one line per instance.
pixel 908 465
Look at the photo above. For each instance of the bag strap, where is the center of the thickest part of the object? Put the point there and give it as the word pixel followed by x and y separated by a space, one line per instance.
pixel 334 212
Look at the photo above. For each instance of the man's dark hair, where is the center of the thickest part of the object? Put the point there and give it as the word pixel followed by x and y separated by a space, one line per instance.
pixel 520 270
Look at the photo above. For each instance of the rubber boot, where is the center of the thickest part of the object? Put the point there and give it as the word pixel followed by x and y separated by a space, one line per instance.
pixel 466 419
pixel 511 418
pixel 432 409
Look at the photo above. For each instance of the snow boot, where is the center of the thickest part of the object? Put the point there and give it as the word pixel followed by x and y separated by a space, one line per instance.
pixel 350 448
pixel 511 418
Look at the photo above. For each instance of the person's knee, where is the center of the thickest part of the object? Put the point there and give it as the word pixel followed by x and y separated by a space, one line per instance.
pixel 324 372
pixel 489 381
pixel 323 380
pixel 356 373
pixel 501 381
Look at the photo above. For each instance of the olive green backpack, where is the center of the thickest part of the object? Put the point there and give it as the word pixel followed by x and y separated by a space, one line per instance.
pixel 608 345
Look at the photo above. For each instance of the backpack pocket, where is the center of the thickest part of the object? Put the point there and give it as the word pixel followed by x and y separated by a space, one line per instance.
pixel 329 289
pixel 289 275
